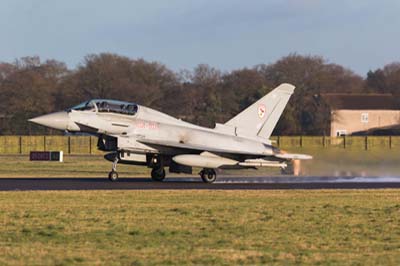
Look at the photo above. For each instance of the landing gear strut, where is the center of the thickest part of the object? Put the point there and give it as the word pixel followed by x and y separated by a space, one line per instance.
pixel 113 175
pixel 208 175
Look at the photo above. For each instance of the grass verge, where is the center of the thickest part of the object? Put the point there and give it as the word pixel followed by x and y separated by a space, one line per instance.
pixel 73 166
pixel 339 162
pixel 200 227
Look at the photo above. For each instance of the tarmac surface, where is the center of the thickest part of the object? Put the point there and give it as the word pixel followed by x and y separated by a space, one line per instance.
pixel 222 183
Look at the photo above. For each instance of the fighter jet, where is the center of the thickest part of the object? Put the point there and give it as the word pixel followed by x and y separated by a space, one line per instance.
pixel 138 135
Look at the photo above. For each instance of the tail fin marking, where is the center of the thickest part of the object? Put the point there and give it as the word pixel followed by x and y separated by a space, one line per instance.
pixel 261 117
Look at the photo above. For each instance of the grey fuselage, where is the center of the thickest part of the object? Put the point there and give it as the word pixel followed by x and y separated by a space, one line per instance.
pixel 139 135
pixel 141 132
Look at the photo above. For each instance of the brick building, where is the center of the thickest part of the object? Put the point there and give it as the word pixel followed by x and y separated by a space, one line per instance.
pixel 362 114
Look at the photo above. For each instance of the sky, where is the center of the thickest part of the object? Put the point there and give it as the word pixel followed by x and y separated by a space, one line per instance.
pixel 227 34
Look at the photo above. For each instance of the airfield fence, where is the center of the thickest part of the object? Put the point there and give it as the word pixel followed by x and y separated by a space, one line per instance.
pixel 87 145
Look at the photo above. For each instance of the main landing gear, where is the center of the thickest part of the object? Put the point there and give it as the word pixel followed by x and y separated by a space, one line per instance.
pixel 157 171
pixel 208 175
pixel 158 174
pixel 113 175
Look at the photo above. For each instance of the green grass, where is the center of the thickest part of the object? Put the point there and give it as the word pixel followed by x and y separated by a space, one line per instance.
pixel 326 162
pixel 73 166
pixel 200 227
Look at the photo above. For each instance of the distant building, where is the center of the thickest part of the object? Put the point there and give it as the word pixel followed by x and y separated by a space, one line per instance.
pixel 363 114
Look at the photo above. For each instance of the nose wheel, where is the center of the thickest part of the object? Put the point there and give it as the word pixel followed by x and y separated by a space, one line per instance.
pixel 208 175
pixel 113 175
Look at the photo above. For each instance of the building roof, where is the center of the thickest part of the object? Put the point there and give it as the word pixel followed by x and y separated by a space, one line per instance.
pixel 344 101
pixel 393 130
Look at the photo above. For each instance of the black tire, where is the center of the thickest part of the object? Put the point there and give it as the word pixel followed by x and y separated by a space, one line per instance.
pixel 113 176
pixel 158 174
pixel 208 176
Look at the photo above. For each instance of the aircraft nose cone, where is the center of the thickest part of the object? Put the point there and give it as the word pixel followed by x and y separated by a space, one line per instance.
pixel 57 120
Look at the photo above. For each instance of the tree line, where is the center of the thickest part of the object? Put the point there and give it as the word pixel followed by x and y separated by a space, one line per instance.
pixel 204 95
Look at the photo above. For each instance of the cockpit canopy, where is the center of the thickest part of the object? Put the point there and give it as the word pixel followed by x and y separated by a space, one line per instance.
pixel 107 106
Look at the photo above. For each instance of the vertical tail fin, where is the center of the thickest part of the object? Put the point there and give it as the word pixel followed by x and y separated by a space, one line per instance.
pixel 261 117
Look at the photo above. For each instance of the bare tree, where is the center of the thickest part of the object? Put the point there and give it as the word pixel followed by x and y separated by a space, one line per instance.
pixel 28 89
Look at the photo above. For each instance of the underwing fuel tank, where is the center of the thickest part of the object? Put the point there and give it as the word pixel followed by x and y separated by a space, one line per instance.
pixel 204 160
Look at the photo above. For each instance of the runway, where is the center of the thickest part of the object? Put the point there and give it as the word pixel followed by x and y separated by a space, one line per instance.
pixel 223 183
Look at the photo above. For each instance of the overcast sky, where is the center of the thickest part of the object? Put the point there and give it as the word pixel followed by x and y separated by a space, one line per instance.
pixel 230 34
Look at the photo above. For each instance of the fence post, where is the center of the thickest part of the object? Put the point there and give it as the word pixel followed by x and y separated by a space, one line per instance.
pixel 390 142
pixel 69 144
pixel 44 143
pixel 20 144
pixel 366 143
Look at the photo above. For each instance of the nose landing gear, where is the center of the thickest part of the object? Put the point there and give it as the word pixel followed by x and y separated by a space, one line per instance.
pixel 208 175
pixel 113 175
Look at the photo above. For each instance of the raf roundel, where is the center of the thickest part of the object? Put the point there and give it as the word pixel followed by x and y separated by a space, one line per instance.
pixel 261 111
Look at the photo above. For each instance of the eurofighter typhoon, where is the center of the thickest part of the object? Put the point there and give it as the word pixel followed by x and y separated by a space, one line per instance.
pixel 138 135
